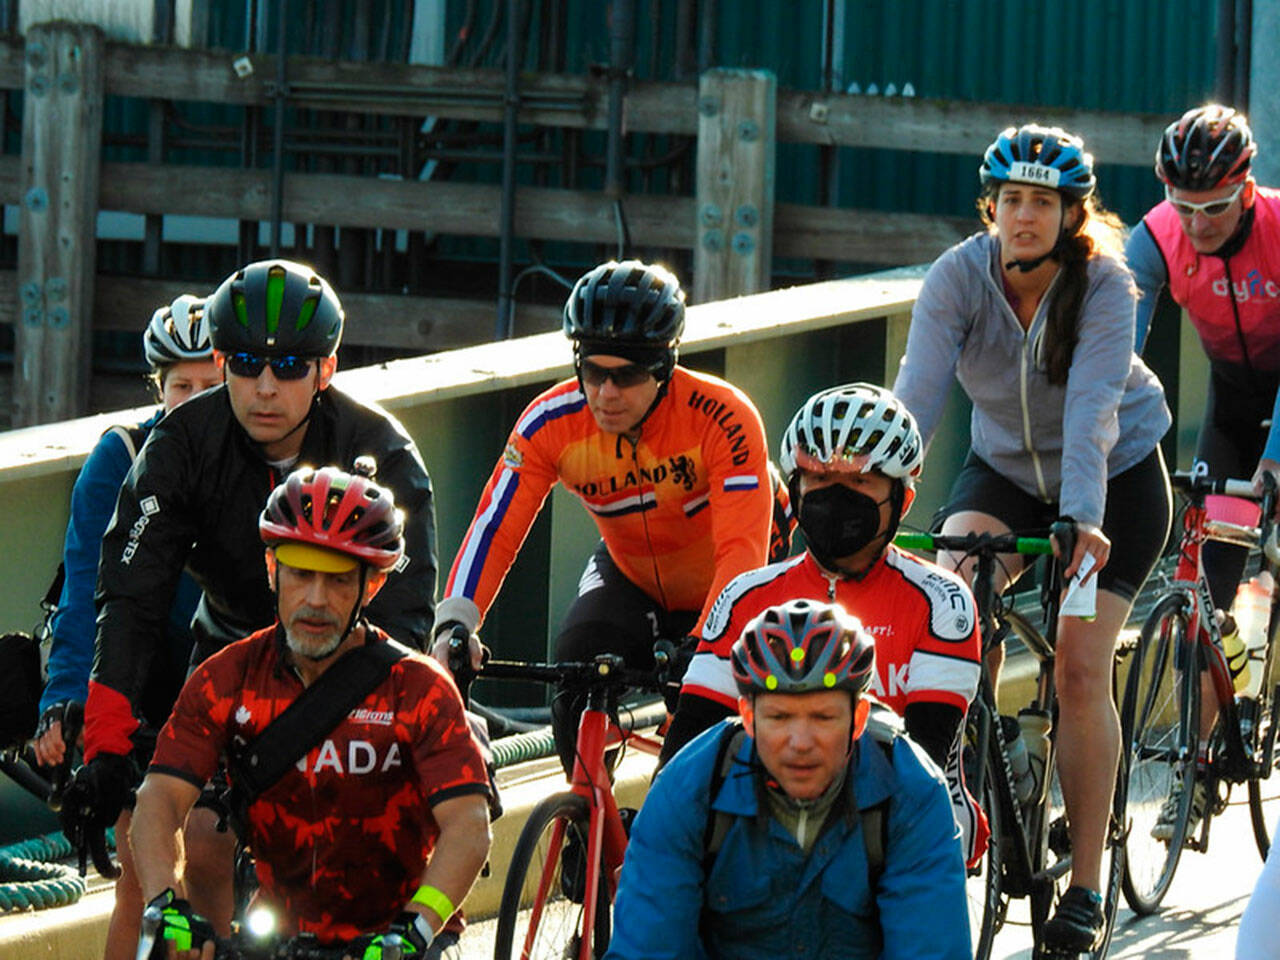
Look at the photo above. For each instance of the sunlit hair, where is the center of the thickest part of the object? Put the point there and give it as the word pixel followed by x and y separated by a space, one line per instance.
pixel 1099 233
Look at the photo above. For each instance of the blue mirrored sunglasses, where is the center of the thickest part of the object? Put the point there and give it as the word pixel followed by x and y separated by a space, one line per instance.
pixel 283 368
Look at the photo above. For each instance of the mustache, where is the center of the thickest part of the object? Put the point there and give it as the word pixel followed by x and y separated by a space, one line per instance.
pixel 314 613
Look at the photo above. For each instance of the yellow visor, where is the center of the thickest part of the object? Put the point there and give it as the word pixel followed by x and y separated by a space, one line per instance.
pixel 303 556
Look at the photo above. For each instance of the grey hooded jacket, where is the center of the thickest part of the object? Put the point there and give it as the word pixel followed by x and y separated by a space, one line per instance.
pixel 1058 443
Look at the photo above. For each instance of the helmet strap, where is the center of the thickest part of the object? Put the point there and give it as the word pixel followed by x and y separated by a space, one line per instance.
pixel 357 610
pixel 1026 266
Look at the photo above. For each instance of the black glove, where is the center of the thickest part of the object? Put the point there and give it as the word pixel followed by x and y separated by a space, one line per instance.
pixel 413 935
pixel 674 660
pixel 168 918
pixel 92 802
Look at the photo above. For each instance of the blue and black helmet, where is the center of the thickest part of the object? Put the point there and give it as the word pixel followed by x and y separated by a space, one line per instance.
pixel 1043 156
pixel 275 308
pixel 631 302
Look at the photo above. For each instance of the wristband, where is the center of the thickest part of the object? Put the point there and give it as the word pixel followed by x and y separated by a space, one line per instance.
pixel 436 900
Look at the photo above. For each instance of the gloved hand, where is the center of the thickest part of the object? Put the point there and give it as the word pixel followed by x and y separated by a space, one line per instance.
pixel 92 802
pixel 412 935
pixel 677 656
pixel 168 919
pixel 56 734
pixel 444 648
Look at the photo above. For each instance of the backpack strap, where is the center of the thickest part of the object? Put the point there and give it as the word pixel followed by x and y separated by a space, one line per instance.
pixel 309 719
pixel 718 822
pixel 131 437
pixel 883 728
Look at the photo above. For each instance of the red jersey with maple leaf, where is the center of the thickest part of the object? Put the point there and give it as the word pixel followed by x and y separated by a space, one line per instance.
pixel 342 839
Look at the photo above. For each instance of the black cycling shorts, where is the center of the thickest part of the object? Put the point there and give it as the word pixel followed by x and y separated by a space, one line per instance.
pixel 1136 519
pixel 1231 442
pixel 610 615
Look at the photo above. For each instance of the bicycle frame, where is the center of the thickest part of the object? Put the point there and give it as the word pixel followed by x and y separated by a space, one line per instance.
pixel 1025 875
pixel 597 732
pixel 1242 758
pixel 1031 861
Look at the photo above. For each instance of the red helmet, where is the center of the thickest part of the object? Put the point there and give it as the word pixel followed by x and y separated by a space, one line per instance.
pixel 337 512
pixel 803 646
pixel 1206 148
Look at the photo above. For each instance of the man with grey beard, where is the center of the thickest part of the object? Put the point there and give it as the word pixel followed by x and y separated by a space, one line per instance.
pixel 398 783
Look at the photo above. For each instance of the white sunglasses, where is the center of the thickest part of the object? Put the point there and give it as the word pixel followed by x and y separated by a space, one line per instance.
pixel 1214 208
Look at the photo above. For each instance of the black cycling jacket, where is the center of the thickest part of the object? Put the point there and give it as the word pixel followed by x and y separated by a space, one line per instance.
pixel 193 498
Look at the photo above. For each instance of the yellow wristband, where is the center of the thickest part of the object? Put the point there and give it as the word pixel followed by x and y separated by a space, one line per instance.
pixel 435 899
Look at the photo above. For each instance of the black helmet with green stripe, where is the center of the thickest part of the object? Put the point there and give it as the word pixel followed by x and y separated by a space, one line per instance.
pixel 275 308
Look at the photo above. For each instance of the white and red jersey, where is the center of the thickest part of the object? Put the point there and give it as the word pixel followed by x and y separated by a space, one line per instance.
pixel 922 617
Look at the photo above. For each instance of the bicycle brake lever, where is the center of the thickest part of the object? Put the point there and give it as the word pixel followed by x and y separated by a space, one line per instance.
pixel 151 918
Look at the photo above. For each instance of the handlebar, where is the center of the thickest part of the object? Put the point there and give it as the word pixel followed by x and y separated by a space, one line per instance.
pixel 246 946
pixel 1199 483
pixel 605 670
pixel 976 543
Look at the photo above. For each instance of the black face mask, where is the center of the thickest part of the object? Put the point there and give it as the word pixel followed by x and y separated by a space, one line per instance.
pixel 838 522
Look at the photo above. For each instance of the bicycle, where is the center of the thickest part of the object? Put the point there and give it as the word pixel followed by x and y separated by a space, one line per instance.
pixel 546 901
pixel 1029 854
pixel 1160 716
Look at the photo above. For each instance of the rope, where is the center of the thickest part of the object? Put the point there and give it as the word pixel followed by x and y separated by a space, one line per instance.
pixel 31 880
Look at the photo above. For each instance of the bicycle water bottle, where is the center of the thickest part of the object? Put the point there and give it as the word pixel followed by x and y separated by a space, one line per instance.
pixel 1024 784
pixel 1251 612
pixel 1035 725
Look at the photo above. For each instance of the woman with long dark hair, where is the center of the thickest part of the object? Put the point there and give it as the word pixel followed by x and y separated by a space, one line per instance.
pixel 1034 317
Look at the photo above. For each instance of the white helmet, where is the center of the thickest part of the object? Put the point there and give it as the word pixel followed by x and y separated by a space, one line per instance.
pixel 855 428
pixel 178 332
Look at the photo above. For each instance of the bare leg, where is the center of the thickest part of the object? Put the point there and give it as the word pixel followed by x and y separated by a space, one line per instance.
pixel 1088 731
pixel 210 868
pixel 125 925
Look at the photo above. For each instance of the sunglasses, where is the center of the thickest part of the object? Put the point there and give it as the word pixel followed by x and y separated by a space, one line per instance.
pixel 628 375
pixel 283 368
pixel 1214 208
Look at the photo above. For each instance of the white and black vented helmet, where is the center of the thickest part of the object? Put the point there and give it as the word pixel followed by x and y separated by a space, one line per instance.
pixel 178 332
pixel 857 428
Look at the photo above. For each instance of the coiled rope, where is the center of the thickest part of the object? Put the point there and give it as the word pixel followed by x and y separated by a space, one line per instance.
pixel 30 879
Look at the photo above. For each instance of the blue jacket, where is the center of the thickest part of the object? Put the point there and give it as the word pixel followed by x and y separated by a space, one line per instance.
pixel 93 501
pixel 765 898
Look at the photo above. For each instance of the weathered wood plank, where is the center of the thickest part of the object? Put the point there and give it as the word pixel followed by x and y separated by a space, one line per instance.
pixel 865 236
pixel 736 149
pixel 398 321
pixel 57 255
pixel 564 100
pixel 955 126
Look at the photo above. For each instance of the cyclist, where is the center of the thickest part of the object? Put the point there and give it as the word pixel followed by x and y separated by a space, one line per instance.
pixel 1210 244
pixel 177 348
pixel 342 840
pixel 670 463
pixel 1034 318
pixel 793 873
pixel 193 499
pixel 851 455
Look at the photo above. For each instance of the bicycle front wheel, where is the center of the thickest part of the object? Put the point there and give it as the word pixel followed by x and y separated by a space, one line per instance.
pixel 1263 790
pixel 987 903
pixel 1159 722
pixel 541 914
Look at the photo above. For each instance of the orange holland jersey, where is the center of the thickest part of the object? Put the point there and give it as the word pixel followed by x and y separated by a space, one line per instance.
pixel 682 511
